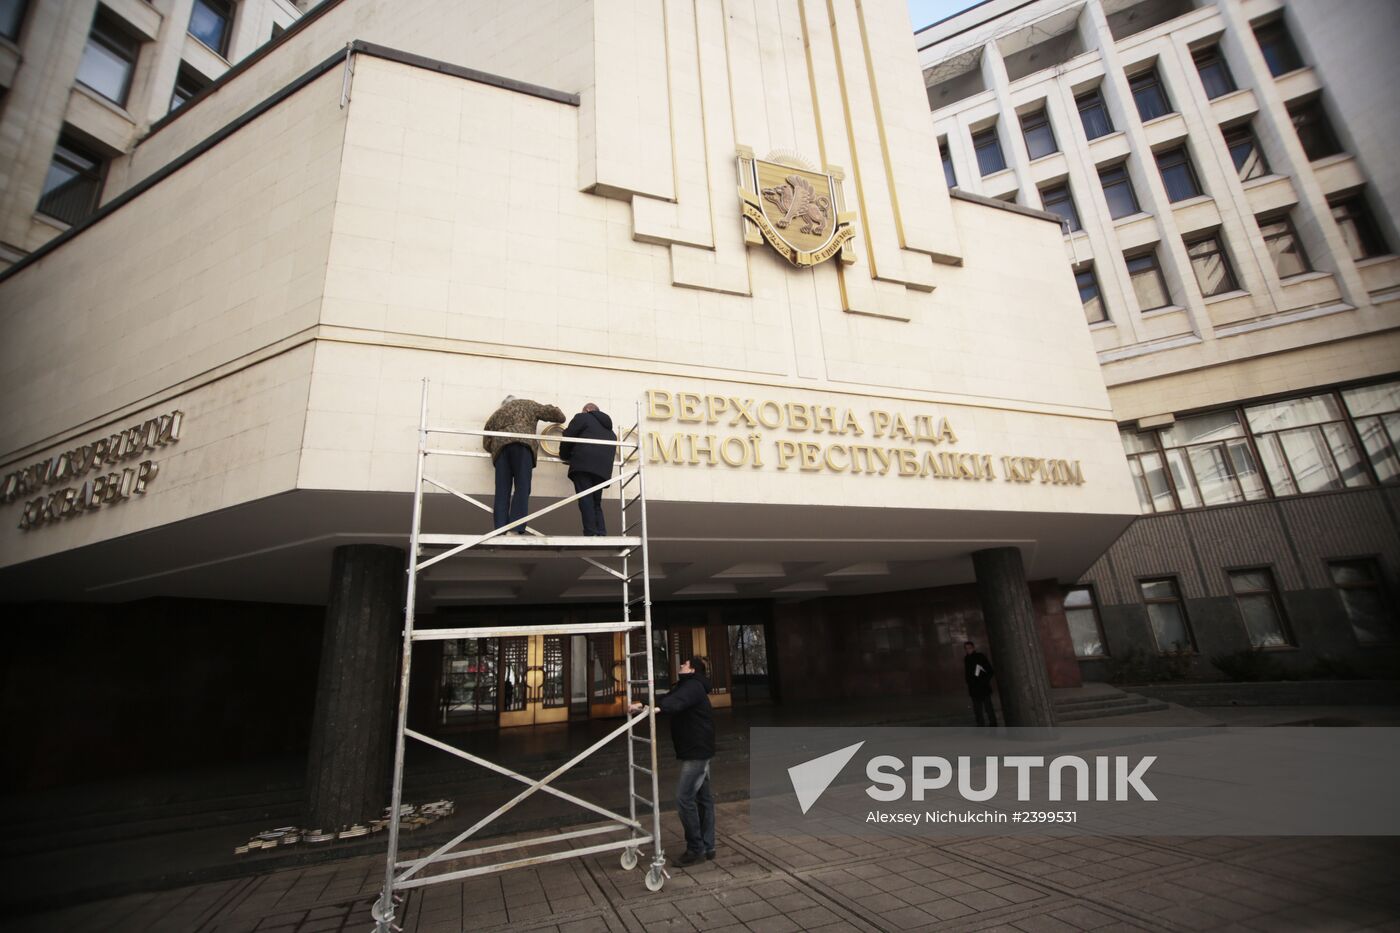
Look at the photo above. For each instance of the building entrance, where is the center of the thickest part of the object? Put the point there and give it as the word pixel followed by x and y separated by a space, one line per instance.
pixel 534 679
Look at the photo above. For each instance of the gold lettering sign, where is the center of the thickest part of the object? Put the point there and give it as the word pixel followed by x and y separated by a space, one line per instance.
pixel 796 209
pixel 893 445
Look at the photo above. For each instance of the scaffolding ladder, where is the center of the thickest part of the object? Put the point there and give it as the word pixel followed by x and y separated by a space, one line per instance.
pixel 629 551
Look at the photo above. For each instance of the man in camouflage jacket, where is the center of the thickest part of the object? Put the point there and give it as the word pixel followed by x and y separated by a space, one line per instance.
pixel 515 459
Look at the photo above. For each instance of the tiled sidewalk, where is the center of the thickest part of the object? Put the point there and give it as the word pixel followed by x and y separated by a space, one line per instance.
pixel 769 884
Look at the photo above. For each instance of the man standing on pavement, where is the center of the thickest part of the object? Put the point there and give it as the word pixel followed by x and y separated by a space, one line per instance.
pixel 978 672
pixel 693 733
pixel 589 464
pixel 514 458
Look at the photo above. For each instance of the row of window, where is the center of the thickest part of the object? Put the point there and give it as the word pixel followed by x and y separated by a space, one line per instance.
pixel 1357 582
pixel 112 50
pixel 1210 260
pixel 1313 443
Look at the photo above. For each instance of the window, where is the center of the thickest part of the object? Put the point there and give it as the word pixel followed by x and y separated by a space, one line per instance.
pixel 1306 445
pixel 1215 74
pixel 188 83
pixel 1358 227
pixel 1083 618
pixel 1280 54
pixel 109 58
pixel 12 18
pixel 1210 460
pixel 1118 191
pixel 1358 583
pixel 210 23
pixel 1314 129
pixel 1177 174
pixel 988 146
pixel 1040 138
pixel 1149 95
pixel 1089 294
pixel 1093 113
pixel 73 183
pixel 1259 606
pixel 1148 283
pixel 1154 488
pixel 1375 411
pixel 949 175
pixel 469 681
pixel 1057 200
pixel 1245 152
pixel 1212 265
pixel 1166 616
pixel 1284 246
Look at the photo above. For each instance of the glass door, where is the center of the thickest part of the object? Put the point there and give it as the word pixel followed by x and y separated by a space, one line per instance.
pixel 533 680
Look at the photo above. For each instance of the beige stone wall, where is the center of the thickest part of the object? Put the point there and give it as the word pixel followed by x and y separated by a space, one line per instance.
pixel 217 265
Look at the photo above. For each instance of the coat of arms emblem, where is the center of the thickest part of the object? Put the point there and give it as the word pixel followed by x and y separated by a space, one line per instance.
pixel 795 208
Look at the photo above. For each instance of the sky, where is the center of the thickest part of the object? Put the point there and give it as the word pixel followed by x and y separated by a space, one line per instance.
pixel 923 12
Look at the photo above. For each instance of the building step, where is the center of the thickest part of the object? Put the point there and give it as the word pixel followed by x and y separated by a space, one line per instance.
pixel 1126 709
pixel 1102 703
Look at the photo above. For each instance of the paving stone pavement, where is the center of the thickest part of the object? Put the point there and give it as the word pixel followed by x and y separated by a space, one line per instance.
pixel 767 884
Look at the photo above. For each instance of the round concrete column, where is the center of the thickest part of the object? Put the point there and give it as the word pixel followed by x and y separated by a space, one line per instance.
pixel 348 769
pixel 1022 683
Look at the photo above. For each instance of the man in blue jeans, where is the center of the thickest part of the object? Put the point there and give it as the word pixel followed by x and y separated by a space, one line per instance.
pixel 693 733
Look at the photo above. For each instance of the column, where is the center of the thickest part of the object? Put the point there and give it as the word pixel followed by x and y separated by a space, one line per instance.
pixel 1012 637
pixel 348 768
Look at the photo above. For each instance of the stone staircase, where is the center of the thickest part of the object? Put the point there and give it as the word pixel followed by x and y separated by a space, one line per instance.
pixel 1100 701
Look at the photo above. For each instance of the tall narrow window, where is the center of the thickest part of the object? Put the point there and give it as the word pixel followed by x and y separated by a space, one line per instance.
pixel 1358 227
pixel 1057 200
pixel 1211 264
pixel 1148 283
pixel 1167 616
pixel 1089 294
pixel 1245 152
pixel 1093 113
pixel 1210 460
pixel 1280 54
pixel 949 175
pixel 12 18
pixel 74 182
pixel 1306 446
pixel 1083 618
pixel 988 148
pixel 109 58
pixel 1314 129
pixel 1177 174
pixel 1154 487
pixel 1375 411
pixel 1284 246
pixel 1364 601
pixel 1260 609
pixel 188 83
pixel 1040 138
pixel 1149 95
pixel 1215 74
pixel 1118 191
pixel 211 21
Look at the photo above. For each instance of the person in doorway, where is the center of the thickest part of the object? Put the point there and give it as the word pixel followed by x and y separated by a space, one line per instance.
pixel 513 458
pixel 693 734
pixel 978 672
pixel 589 464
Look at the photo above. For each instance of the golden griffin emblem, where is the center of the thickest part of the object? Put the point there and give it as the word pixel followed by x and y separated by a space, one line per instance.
pixel 795 208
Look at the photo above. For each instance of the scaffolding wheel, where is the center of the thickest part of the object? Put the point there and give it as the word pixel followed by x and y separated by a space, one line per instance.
pixel 656 877
pixel 629 859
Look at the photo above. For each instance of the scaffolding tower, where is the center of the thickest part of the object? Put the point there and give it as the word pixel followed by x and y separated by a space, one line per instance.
pixel 632 573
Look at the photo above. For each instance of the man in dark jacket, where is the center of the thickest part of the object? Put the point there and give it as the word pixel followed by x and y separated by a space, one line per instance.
pixel 514 459
pixel 693 734
pixel 978 672
pixel 589 464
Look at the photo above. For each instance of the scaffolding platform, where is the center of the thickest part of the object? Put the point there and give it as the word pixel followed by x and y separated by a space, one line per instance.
pixel 624 558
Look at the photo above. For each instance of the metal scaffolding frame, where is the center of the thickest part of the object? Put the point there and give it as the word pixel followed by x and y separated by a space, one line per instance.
pixel 630 549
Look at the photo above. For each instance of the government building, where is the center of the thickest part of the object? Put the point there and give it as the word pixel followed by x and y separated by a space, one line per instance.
pixel 873 419
pixel 1225 177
